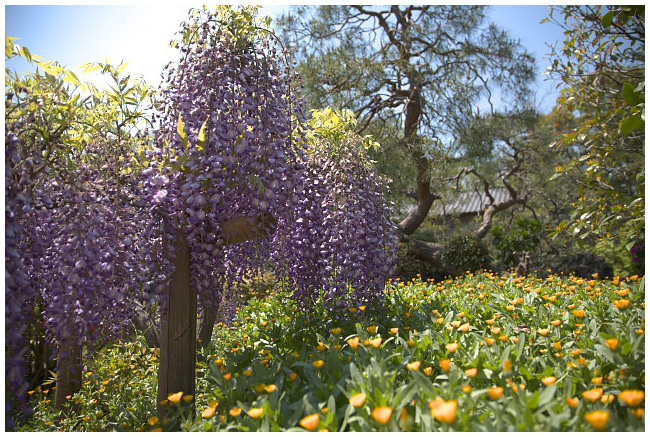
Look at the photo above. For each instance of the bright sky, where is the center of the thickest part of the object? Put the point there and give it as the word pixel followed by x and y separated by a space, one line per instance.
pixel 140 35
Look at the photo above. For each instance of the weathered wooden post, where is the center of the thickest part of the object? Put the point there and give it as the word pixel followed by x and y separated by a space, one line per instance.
pixel 68 377
pixel 178 320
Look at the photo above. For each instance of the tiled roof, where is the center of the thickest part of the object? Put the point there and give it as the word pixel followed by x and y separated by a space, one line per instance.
pixel 468 202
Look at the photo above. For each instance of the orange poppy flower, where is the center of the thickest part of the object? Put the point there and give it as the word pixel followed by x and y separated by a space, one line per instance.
pixel 445 365
pixel 176 397
pixel 372 329
pixel 310 423
pixel 382 414
pixel 413 366
pixel 598 419
pixel 247 372
pixel 464 328
pixel 234 412
pixel 489 341
pixel 375 343
pixel 593 395
pixel 455 323
pixel 358 400
pixel 495 330
pixel 621 304
pixel 336 331
pixel 573 402
pixel 153 420
pixel 633 398
pixel 293 376
pixel 270 388
pixel 495 392
pixel 428 371
pixel 543 332
pixel 255 413
pixel 444 412
pixel 612 343
pixel 393 331
pixel 452 347
pixel 471 372
pixel 579 313
pixel 318 364
pixel 549 380
pixel 354 342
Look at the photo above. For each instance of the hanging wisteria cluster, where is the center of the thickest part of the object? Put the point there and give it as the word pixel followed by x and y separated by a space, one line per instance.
pixel 340 240
pixel 225 144
pixel 19 290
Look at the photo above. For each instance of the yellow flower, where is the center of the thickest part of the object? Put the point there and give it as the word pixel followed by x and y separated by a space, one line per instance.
pixel 467 389
pixel 575 352
pixel 444 412
pixel 358 400
pixel 445 365
pixel 638 413
pixel 372 329
pixel 413 366
pixel 455 323
pixel 153 420
pixel 318 364
pixel 507 366
pixel 495 330
pixel 234 412
pixel 616 280
pixel 259 388
pixel 227 376
pixel 336 331
pixel 188 398
pixel 555 322
pixel 310 423
pixel 573 402
pixel 208 412
pixel 270 388
pixel 376 342
pixel 440 320
pixel 464 328
pixel 452 347
pixel 549 380
pixel 489 341
pixel 428 371
pixel 621 304
pixel 598 419
pixel 382 414
pixel 543 332
pixel 321 347
pixel 495 392
pixel 247 372
pixel 593 395
pixel 255 413
pixel 633 398
pixel 354 342
pixel 410 343
pixel 597 380
pixel 471 372
pixel 612 343
pixel 293 376
pixel 176 397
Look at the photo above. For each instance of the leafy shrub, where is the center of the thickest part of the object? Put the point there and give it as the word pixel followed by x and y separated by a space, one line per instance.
pixel 523 237
pixel 466 254
pixel 585 265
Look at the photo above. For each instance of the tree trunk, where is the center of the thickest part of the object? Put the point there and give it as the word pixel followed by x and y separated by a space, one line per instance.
pixel 423 184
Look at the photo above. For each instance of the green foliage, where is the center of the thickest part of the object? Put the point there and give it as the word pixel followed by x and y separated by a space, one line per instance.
pixel 273 366
pixel 523 237
pixel 602 63
pixel 466 254
pixel 334 125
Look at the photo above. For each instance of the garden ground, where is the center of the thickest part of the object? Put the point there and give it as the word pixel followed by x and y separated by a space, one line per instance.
pixel 484 352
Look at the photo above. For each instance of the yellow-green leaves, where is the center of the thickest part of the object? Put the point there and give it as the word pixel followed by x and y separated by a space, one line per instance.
pixel 182 132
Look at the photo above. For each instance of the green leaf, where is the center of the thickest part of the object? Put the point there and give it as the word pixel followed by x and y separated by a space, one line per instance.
pixel 200 143
pixel 72 78
pixel 630 94
pixel 608 18
pixel 630 124
pixel 182 132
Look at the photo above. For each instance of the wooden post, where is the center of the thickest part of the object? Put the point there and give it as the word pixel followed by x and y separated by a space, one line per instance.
pixel 178 319
pixel 178 333
pixel 68 377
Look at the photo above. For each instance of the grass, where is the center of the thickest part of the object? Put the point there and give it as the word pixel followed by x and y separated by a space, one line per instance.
pixel 479 353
